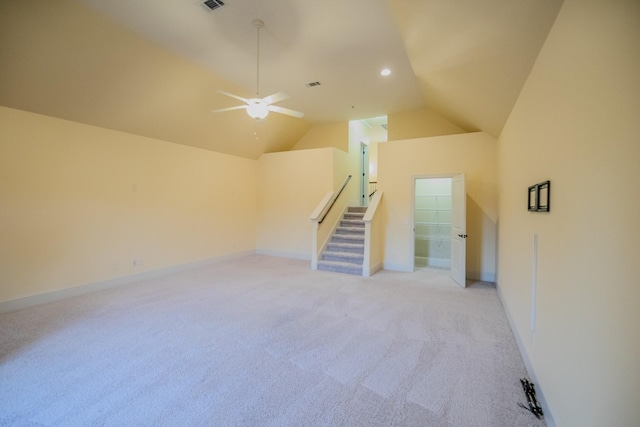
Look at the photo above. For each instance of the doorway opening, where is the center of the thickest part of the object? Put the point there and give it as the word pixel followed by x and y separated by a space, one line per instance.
pixel 432 223
pixel 439 224
pixel 364 137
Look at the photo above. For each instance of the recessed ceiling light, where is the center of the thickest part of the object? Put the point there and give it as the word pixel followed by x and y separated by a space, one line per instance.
pixel 385 72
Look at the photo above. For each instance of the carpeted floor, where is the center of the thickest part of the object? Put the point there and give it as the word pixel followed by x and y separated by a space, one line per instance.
pixel 263 341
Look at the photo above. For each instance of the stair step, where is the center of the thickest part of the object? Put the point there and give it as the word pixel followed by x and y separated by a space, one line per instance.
pixel 348 238
pixel 345 251
pixel 350 257
pixel 349 230
pixel 354 215
pixel 359 209
pixel 340 267
pixel 355 248
pixel 352 223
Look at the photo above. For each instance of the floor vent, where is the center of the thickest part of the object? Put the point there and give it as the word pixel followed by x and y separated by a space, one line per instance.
pixel 312 84
pixel 214 4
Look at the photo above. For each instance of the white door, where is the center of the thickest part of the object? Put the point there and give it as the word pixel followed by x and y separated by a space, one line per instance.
pixel 458 230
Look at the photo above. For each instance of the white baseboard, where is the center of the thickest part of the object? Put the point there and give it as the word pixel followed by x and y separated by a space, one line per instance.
pixel 405 268
pixel 482 276
pixel 548 414
pixel 56 295
pixel 283 254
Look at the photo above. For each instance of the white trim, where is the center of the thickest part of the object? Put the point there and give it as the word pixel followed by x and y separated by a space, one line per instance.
pixel 373 207
pixel 483 277
pixel 321 206
pixel 405 268
pixel 548 413
pixel 488 277
pixel 534 282
pixel 284 254
pixel 59 294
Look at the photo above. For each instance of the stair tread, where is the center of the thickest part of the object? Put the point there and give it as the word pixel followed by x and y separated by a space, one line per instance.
pixel 345 249
pixel 343 254
pixel 350 230
pixel 347 245
pixel 339 264
pixel 337 238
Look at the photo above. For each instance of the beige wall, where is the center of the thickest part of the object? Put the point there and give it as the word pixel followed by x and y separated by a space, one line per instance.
pixel 78 204
pixel 473 154
pixel 334 135
pixel 576 123
pixel 291 184
pixel 419 123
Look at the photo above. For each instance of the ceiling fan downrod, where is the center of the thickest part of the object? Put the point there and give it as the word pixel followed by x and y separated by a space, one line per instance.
pixel 258 23
pixel 258 108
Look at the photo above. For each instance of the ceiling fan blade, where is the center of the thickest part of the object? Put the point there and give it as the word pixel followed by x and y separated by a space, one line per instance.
pixel 272 99
pixel 286 111
pixel 239 107
pixel 239 98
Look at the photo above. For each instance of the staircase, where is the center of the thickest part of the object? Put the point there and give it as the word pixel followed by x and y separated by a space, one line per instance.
pixel 345 251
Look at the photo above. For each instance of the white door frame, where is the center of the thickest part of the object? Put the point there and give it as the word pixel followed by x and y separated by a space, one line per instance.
pixel 364 174
pixel 413 208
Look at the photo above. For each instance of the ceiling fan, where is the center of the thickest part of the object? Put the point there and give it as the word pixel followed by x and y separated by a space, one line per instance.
pixel 258 108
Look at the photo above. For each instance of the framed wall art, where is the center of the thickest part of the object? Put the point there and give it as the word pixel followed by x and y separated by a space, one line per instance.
pixel 544 192
pixel 539 196
pixel 532 203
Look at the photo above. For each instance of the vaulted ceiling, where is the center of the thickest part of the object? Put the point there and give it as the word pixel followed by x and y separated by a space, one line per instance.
pixel 152 68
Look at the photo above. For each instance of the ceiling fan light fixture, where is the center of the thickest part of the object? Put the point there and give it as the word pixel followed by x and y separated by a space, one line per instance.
pixel 257 109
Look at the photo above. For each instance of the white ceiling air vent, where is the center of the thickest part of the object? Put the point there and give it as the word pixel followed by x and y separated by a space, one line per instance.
pixel 214 4
pixel 313 84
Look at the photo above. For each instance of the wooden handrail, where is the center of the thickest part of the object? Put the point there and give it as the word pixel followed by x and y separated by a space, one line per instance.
pixel 333 201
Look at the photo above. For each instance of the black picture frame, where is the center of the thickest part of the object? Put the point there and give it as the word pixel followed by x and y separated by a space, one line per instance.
pixel 539 196
pixel 532 198
pixel 544 196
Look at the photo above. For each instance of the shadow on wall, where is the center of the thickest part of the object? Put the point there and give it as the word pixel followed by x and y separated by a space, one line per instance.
pixel 478 223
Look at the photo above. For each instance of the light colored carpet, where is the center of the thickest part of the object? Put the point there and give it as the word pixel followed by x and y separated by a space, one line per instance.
pixel 265 341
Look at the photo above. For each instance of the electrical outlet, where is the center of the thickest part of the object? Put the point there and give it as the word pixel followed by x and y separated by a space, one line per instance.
pixel 137 262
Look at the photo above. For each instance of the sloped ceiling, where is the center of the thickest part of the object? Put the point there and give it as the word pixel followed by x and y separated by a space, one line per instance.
pixel 471 57
pixel 152 68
